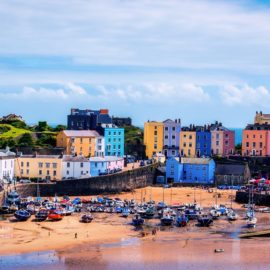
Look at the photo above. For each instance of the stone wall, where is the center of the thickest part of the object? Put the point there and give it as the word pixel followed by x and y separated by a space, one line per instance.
pixel 124 181
pixel 259 199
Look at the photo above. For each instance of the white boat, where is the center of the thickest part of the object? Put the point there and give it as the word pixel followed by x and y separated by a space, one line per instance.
pixel 251 222
pixel 232 215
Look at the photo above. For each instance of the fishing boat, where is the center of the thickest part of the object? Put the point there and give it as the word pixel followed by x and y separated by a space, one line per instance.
pixel 13 208
pixel 182 220
pixel 137 220
pixel 251 222
pixel 232 216
pixel 125 212
pixel 87 218
pixel 41 215
pixel 215 213
pixel 251 219
pixel 167 220
pixel 161 205
pixel 22 215
pixel 205 220
pixel 4 208
pixel 149 213
pixel 13 197
pixel 55 215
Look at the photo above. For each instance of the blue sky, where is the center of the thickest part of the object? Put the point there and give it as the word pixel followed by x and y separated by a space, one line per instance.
pixel 196 60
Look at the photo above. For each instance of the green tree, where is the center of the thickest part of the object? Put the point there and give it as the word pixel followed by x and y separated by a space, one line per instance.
pixel 46 140
pixel 26 140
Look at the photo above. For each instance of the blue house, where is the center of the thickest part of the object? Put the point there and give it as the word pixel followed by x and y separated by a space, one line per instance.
pixel 190 170
pixel 203 142
pixel 114 141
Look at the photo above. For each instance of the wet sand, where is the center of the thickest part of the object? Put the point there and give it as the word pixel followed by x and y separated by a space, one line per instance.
pixel 110 242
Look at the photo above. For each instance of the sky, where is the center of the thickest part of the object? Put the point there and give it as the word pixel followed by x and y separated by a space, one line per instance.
pixel 198 60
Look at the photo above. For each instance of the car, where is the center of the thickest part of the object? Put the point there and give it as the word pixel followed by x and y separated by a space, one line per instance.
pixel 142 163
pixel 149 161
pixel 25 181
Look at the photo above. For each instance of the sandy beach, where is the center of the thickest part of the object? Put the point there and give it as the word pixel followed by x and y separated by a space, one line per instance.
pixel 115 242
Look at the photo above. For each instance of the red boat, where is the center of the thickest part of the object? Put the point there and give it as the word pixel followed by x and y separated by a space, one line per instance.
pixel 55 215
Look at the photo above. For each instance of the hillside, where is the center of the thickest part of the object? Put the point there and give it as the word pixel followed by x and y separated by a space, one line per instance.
pixel 8 131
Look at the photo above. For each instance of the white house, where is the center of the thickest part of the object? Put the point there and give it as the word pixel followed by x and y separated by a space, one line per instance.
pixel 75 167
pixel 100 146
pixel 7 164
pixel 107 164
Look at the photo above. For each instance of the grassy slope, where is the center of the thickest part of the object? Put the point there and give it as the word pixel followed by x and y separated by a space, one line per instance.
pixel 133 133
pixel 13 132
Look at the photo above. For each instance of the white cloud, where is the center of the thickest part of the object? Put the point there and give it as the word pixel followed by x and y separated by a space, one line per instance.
pixel 245 95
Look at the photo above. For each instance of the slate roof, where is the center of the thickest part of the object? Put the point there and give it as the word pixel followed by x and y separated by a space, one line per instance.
pixel 196 160
pixel 81 133
pixel 230 169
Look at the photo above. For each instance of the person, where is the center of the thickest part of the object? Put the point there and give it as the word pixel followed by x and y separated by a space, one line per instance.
pixel 76 235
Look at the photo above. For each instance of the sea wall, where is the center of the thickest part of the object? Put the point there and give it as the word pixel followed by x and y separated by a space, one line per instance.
pixel 259 199
pixel 120 182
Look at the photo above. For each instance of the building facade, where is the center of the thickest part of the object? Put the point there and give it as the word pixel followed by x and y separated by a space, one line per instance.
pixel 171 138
pixel 203 142
pixel 77 167
pixel 256 140
pixel 7 165
pixel 190 170
pixel 153 138
pixel 187 142
pixel 122 121
pixel 79 142
pixel 107 164
pixel 39 167
pixel 87 119
pixel 262 118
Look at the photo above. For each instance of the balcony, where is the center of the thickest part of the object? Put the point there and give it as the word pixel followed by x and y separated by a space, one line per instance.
pixel 170 147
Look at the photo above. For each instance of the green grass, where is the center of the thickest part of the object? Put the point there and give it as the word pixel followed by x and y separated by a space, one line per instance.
pixel 12 132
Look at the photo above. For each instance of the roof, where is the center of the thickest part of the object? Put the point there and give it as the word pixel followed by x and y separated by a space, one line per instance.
pixel 75 159
pixel 41 156
pixel 230 169
pixel 105 159
pixel 81 133
pixel 196 160
pixel 6 153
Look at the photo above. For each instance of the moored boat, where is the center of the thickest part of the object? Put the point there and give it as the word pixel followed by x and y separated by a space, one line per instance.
pixel 167 220
pixel 205 220
pixel 87 218
pixel 22 215
pixel 55 215
pixel 41 215
pixel 137 220
pixel 182 220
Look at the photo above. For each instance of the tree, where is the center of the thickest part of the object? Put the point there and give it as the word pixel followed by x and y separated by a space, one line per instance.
pixel 46 140
pixel 26 140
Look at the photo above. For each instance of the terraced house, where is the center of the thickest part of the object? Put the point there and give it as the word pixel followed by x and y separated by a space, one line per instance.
pixel 188 142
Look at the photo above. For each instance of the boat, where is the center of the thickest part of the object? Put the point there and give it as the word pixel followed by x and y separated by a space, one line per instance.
pixel 41 215
pixel 125 212
pixel 55 215
pixel 215 213
pixel 251 222
pixel 182 220
pixel 232 216
pixel 167 220
pixel 22 215
pixel 5 208
pixel 149 213
pixel 137 220
pixel 13 208
pixel 251 219
pixel 13 197
pixel 87 218
pixel 161 205
pixel 205 220
pixel 68 210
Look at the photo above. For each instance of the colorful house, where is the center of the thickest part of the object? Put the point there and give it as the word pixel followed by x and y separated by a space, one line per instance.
pixel 102 165
pixel 190 170
pixel 203 141
pixel 256 140
pixel 79 142
pixel 171 137
pixel 153 138
pixel 187 142
pixel 222 140
pixel 39 167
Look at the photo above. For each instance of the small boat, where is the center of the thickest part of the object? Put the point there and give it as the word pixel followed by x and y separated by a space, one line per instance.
pixel 182 220
pixel 251 222
pixel 149 213
pixel 55 215
pixel 125 212
pixel 215 213
pixel 41 215
pixel 68 210
pixel 22 215
pixel 205 220
pixel 167 220
pixel 232 216
pixel 87 218
pixel 137 220
pixel 13 208
pixel 13 197
pixel 161 205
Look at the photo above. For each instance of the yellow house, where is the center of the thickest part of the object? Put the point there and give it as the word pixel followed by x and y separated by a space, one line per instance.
pixel 39 166
pixel 153 138
pixel 188 143
pixel 80 142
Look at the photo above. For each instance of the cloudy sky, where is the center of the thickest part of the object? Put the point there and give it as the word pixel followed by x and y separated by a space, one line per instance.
pixel 196 60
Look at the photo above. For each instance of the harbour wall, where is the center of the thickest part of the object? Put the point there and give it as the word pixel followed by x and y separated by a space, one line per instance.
pixel 109 184
pixel 259 199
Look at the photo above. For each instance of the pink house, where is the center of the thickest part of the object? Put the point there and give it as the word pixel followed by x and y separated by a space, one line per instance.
pixel 114 163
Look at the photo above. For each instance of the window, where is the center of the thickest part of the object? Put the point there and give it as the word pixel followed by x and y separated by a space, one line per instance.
pixel 119 146
pixel 109 133
pixel 185 136
pixel 21 163
pixel 166 137
pixel 81 164
pixel 27 171
pixel 247 136
pixel 261 145
pixel 72 140
pixel 99 140
pixel 190 144
pixel 27 164
pixel 173 137
pixel 95 164
pixel 48 172
pixel 40 164
pixel 21 171
pixel 109 140
pixel 254 136
pixel 47 165
pixel 226 135
pixel 89 140
pixel 67 172
pixel 217 143
pixel 81 172
pixel 155 132
pixel 119 140
pixel 114 133
pixel 226 143
pixel 68 165
pixel 166 128
pixel 54 165
pixel 81 140
pixel 253 144
pixel 114 147
pixel 173 128
pixel 184 144
pixel 217 136
pixel 119 133
pixel 247 144
pixel 190 137
pixel 40 172
pixel 155 146
pixel 260 136
pixel 54 173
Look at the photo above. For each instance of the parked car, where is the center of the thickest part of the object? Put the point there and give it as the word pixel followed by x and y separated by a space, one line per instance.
pixel 149 161
pixel 25 181
pixel 142 163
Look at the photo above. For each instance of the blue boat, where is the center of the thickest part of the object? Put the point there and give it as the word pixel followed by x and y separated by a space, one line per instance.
pixel 125 212
pixel 137 221
pixel 22 215
pixel 182 220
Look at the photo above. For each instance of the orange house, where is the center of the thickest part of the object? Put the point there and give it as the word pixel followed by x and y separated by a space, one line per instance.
pixel 256 142
pixel 80 142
